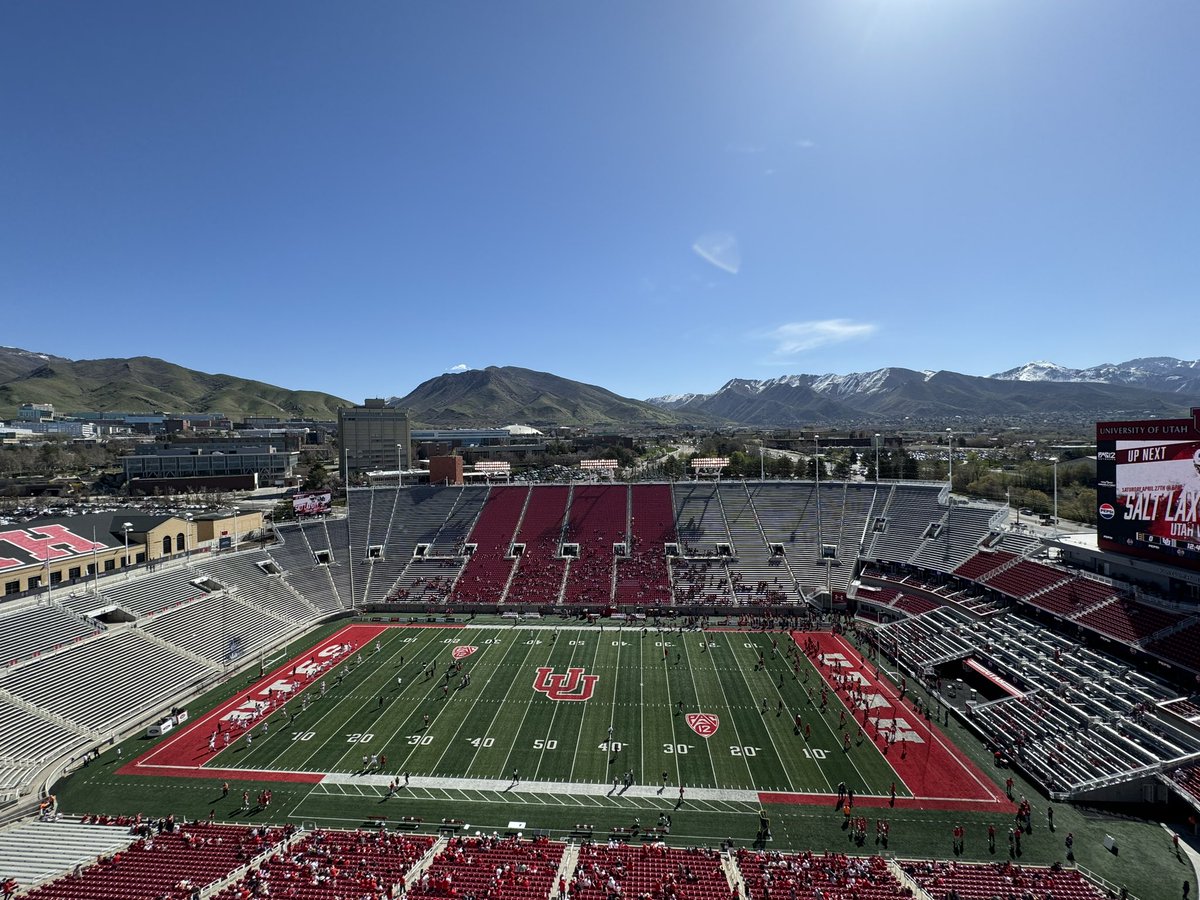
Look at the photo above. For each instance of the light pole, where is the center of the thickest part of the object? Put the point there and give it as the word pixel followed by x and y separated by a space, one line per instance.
pixel 950 451
pixel 399 467
pixel 1056 499
pixel 127 527
pixel 762 464
pixel 877 457
pixel 235 534
pixel 187 538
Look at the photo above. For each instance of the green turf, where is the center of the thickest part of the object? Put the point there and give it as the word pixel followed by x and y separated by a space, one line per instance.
pixel 637 693
pixel 499 723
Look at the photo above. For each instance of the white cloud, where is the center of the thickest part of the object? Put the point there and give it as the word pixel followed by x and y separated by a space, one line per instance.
pixel 461 367
pixel 806 144
pixel 793 338
pixel 721 249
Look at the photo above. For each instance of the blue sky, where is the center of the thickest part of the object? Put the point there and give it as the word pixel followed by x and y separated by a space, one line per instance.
pixel 654 197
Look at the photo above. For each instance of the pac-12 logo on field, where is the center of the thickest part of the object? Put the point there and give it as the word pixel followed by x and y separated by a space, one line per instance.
pixel 704 724
pixel 1107 511
pixel 462 651
pixel 572 686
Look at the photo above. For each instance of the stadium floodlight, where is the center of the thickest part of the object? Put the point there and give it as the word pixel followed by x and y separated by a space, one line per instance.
pixel 490 468
pixel 399 467
pixel 127 527
pixel 877 457
pixel 187 536
pixel 710 465
pixel 235 534
pixel 950 443
pixel 600 468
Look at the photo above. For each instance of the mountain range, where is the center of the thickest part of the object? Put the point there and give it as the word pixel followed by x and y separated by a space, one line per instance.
pixel 145 384
pixel 893 395
pixel 500 395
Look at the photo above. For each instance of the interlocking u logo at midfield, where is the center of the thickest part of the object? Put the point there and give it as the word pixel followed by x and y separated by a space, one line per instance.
pixel 564 687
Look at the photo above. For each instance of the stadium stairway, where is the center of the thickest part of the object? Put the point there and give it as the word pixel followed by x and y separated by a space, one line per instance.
pixel 906 881
pixel 423 864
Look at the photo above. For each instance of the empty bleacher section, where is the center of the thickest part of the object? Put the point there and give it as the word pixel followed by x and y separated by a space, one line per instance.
pixel 943 880
pixel 485 577
pixel 302 552
pixel 323 865
pixel 1129 621
pixel 1181 647
pixel 758 575
pixel 30 631
pixel 152 593
pixel 452 536
pixel 220 628
pixel 243 575
pixel 1082 721
pixel 1024 578
pixel 35 851
pixel 27 742
pixel 103 682
pixel 898 527
pixel 958 535
pixel 597 519
pixel 699 519
pixel 643 576
pixel 539 575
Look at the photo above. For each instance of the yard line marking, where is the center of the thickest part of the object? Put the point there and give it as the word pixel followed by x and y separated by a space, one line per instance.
pixel 335 705
pixel 500 707
pixel 528 703
pixel 767 727
pixel 712 763
pixel 670 707
pixel 549 728
pixel 612 706
pixel 478 698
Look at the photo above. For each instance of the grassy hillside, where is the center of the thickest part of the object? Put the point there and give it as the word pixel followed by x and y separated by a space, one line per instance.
pixel 144 383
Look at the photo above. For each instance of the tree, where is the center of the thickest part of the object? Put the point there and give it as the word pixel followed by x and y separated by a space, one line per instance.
pixel 317 477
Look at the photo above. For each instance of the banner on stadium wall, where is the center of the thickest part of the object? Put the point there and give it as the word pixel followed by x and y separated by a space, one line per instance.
pixel 312 503
pixel 1148 489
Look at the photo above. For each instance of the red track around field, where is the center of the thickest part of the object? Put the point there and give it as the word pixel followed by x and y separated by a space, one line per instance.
pixel 184 754
pixel 935 771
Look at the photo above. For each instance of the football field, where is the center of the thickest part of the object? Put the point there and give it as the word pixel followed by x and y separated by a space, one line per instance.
pixel 567 705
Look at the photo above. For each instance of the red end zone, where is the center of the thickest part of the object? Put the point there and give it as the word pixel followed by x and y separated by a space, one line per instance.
pixel 935 772
pixel 184 754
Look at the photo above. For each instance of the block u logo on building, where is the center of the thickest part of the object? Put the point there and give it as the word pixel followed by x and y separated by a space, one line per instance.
pixel 572 686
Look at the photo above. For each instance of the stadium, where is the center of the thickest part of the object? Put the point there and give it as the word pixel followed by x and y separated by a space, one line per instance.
pixel 699 689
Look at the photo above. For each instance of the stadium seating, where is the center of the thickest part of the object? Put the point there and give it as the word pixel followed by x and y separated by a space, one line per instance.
pixel 492 867
pixel 219 628
pixel 29 631
pixel 154 592
pixel 327 864
pixel 644 577
pixel 1024 579
pixel 243 575
pixel 597 519
pixel 539 575
pixel 106 681
pixel 808 875
pixel 699 519
pixel 1181 647
pixel 1129 621
pixel 983 882
pixel 485 577
pixel 982 562
pixel 164 864
pixel 653 871
pixel 960 533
